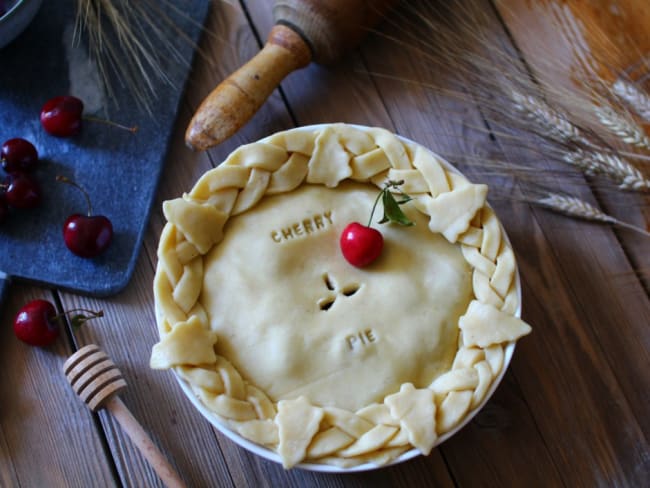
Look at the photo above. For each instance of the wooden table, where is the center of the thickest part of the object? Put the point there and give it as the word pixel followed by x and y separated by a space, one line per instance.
pixel 572 410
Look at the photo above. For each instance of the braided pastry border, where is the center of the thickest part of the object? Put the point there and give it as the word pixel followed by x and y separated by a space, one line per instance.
pixel 376 434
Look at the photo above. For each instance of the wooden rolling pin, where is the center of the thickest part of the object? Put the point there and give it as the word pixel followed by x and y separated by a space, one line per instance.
pixel 304 31
pixel 96 379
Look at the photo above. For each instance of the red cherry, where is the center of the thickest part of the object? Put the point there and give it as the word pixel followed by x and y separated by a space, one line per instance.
pixel 87 236
pixel 18 155
pixel 360 244
pixel 61 116
pixel 36 323
pixel 22 191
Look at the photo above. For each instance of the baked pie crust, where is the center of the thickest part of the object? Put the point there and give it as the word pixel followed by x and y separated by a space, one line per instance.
pixel 298 351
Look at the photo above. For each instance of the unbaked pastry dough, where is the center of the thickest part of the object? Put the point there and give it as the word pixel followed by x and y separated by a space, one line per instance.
pixel 297 350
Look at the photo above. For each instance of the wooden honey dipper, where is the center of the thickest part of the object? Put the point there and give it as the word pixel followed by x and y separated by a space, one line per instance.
pixel 96 379
pixel 304 30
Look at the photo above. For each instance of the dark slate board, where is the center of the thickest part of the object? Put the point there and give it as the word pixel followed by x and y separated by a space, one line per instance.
pixel 119 169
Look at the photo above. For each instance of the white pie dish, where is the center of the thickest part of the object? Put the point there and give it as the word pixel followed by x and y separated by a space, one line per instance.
pixel 221 426
pixel 327 468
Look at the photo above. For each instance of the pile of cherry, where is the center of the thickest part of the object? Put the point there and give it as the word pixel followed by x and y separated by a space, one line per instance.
pixel 85 235
pixel 37 322
pixel 20 189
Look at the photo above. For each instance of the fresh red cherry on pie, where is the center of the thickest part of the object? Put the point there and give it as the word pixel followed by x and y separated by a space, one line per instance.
pixel 36 323
pixel 22 191
pixel 361 245
pixel 18 154
pixel 87 235
pixel 61 116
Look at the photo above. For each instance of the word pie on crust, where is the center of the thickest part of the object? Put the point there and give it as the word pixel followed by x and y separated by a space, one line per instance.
pixel 295 349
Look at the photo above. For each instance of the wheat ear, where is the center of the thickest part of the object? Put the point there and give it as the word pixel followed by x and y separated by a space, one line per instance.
pixel 574 207
pixel 133 41
pixel 552 122
pixel 635 98
pixel 627 176
pixel 624 128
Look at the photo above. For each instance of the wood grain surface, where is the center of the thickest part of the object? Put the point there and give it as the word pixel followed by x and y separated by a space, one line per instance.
pixel 572 410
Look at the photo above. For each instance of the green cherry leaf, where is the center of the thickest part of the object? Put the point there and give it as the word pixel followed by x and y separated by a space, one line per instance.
pixel 392 212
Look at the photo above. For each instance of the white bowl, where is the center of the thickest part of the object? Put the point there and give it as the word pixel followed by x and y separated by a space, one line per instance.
pixel 223 428
pixel 16 19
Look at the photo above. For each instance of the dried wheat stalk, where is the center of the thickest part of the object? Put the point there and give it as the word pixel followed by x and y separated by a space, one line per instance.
pixel 551 121
pixel 562 120
pixel 556 126
pixel 623 127
pixel 575 207
pixel 627 176
pixel 129 40
pixel 635 98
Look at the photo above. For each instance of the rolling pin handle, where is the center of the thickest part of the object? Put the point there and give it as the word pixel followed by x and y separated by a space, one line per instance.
pixel 235 100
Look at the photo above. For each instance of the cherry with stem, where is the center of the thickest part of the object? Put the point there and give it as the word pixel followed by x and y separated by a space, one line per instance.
pixel 362 244
pixel 87 235
pixel 62 116
pixel 38 324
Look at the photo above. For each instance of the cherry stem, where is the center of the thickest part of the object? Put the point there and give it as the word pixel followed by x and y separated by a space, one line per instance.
pixel 387 185
pixel 64 179
pixel 79 319
pixel 90 118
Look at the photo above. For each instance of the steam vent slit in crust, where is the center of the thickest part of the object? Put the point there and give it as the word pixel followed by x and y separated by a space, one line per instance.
pixel 287 345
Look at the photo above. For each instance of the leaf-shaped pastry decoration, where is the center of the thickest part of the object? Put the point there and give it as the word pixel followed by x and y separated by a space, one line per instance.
pixel 298 421
pixel 416 411
pixel 330 162
pixel 452 212
pixel 484 325
pixel 201 224
pixel 187 343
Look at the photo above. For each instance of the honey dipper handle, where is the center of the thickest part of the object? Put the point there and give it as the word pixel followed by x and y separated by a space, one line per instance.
pixel 233 102
pixel 143 442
